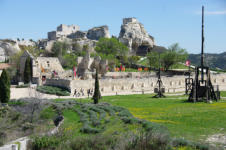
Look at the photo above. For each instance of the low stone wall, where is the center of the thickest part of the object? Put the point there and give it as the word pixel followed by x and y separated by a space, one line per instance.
pixel 132 85
pixel 59 83
pixel 14 145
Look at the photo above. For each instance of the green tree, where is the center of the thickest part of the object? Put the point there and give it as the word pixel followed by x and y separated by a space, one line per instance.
pixel 69 61
pixel 112 50
pixel 133 59
pixel 97 94
pixel 76 47
pixel 85 48
pixel 174 55
pixel 28 70
pixel 153 59
pixel 111 46
pixel 59 49
pixel 4 87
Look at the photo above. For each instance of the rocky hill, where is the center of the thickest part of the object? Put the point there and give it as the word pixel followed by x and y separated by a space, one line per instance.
pixel 132 34
pixel 135 37
pixel 212 60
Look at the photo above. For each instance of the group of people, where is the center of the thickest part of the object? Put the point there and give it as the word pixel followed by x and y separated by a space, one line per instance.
pixel 78 93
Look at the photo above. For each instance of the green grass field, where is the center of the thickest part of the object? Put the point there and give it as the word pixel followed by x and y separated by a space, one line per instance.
pixel 193 121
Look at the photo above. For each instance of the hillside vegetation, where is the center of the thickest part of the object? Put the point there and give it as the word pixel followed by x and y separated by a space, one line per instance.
pixel 192 121
pixel 212 60
pixel 95 126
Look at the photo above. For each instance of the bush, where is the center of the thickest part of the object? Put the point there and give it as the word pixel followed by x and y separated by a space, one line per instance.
pixel 178 142
pixel 47 113
pixel 53 90
pixel 96 95
pixel 3 137
pixel 4 87
pixel 97 142
pixel 16 103
pixel 27 126
pixel 45 142
pixel 22 86
pixel 87 129
pixel 28 70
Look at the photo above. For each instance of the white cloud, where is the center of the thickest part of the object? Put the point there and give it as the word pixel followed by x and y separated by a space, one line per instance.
pixel 213 12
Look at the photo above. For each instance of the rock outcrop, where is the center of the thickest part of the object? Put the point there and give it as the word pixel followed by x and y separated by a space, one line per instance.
pixel 87 66
pixel 3 56
pixel 73 34
pixel 8 48
pixel 98 32
pixel 135 36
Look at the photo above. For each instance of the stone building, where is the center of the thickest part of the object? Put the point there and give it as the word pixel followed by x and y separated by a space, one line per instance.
pixel 43 68
pixel 63 31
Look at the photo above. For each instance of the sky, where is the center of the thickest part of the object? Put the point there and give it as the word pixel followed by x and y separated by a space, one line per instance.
pixel 168 21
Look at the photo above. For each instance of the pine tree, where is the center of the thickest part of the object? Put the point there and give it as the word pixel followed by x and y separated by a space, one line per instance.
pixel 97 94
pixel 27 70
pixel 4 87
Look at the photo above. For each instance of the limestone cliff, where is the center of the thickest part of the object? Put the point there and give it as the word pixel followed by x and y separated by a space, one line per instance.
pixel 135 36
pixel 8 48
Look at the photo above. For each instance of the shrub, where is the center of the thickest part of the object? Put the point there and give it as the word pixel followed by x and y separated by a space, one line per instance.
pixel 27 126
pixel 179 142
pixel 28 70
pixel 102 113
pixel 47 113
pixel 16 103
pixel 128 120
pixel 97 94
pixel 22 86
pixel 108 109
pixel 53 90
pixel 45 142
pixel 3 137
pixel 87 129
pixel 97 142
pixel 4 87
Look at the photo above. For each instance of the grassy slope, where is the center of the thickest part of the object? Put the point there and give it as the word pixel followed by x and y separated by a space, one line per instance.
pixel 73 125
pixel 189 120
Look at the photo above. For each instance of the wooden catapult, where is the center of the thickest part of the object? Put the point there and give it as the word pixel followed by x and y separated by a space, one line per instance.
pixel 202 88
pixel 159 88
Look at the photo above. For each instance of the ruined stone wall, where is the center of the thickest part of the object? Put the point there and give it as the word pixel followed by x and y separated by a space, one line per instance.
pixel 129 20
pixel 68 29
pixel 133 85
pixel 52 35
pixel 59 83
pixel 63 31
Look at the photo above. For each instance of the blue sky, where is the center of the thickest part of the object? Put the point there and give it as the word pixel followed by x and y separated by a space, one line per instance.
pixel 169 21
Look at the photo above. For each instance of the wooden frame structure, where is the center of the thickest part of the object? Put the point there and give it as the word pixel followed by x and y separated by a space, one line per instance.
pixel 202 88
pixel 159 88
